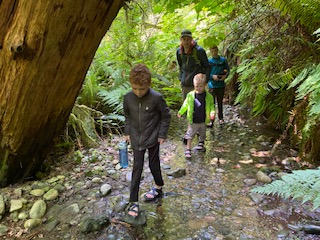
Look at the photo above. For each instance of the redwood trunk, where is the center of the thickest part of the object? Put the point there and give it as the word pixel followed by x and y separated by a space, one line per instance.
pixel 46 48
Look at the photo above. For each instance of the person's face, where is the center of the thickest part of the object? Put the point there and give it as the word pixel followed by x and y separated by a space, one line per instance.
pixel 214 52
pixel 140 90
pixel 199 87
pixel 186 41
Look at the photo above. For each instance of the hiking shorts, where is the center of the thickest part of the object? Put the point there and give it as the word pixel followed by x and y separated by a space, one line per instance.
pixel 195 128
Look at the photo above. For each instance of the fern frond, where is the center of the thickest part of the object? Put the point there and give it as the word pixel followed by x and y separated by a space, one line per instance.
pixel 303 185
pixel 114 98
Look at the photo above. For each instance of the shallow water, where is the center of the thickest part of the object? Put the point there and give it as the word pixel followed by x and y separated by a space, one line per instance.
pixel 212 201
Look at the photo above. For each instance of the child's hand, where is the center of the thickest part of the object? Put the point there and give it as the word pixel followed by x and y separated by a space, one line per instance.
pixel 179 115
pixel 212 115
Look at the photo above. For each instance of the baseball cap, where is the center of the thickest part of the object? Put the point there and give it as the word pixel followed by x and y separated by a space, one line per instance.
pixel 186 33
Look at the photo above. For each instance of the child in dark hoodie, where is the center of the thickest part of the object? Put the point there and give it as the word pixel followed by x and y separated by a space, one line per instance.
pixel 147 120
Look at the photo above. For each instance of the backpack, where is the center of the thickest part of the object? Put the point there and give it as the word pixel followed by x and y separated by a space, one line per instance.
pixel 194 52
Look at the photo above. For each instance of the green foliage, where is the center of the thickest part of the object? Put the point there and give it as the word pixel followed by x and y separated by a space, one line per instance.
pixel 307 12
pixel 308 86
pixel 90 88
pixel 302 185
pixel 81 121
pixel 114 97
pixel 271 46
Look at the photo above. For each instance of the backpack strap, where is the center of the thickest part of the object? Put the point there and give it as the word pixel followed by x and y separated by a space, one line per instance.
pixel 195 56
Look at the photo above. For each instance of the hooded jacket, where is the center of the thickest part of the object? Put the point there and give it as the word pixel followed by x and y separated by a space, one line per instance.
pixel 188 64
pixel 188 106
pixel 146 119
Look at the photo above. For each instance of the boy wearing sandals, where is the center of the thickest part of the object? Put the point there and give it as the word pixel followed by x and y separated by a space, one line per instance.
pixel 147 119
pixel 199 105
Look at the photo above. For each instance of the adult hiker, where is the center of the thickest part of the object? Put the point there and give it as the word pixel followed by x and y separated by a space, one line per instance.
pixel 192 59
pixel 216 84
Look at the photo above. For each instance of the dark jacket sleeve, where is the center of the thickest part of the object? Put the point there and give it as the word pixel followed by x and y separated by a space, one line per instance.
pixel 126 115
pixel 165 118
pixel 179 63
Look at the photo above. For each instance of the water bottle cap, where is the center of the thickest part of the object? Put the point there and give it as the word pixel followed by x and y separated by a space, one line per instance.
pixel 122 144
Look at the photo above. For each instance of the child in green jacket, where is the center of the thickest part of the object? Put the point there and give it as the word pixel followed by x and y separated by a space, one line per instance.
pixel 199 105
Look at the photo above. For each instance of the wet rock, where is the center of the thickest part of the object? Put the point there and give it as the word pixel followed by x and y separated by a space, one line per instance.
pixel 3 229
pixel 32 223
pixel 2 205
pixel 38 209
pixel 250 182
pixel 105 189
pixel 177 173
pixel 23 215
pixel 96 180
pixel 139 221
pixel 311 229
pixel 52 224
pixel 18 192
pixel 15 205
pixel 90 224
pixel 262 177
pixel 37 192
pixel 256 197
pixel 119 206
pixel 52 194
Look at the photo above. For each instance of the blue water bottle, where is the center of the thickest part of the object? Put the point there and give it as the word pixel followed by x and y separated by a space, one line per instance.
pixel 123 154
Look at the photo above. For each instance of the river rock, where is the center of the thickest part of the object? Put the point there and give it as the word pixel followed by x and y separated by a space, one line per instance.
pixel 37 192
pixel 250 181
pixel 32 223
pixel 38 209
pixel 2 205
pixel 3 229
pixel 90 224
pixel 177 173
pixel 52 194
pixel 105 189
pixel 52 224
pixel 262 177
pixel 15 205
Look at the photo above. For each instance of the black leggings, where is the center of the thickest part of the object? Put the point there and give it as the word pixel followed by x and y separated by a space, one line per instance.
pixel 218 94
pixel 138 162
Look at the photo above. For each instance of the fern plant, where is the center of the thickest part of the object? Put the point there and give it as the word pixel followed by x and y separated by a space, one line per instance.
pixel 303 185
pixel 114 98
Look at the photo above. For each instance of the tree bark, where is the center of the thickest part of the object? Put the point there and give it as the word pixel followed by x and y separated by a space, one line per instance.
pixel 46 48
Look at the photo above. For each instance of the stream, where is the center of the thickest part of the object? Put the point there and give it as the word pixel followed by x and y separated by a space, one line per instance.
pixel 213 200
pixel 206 197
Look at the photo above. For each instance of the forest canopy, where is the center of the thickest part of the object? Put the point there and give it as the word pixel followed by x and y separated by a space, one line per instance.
pixel 272 47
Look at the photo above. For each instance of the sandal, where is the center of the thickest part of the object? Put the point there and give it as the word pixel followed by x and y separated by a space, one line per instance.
pixel 134 208
pixel 187 153
pixel 200 147
pixel 155 193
